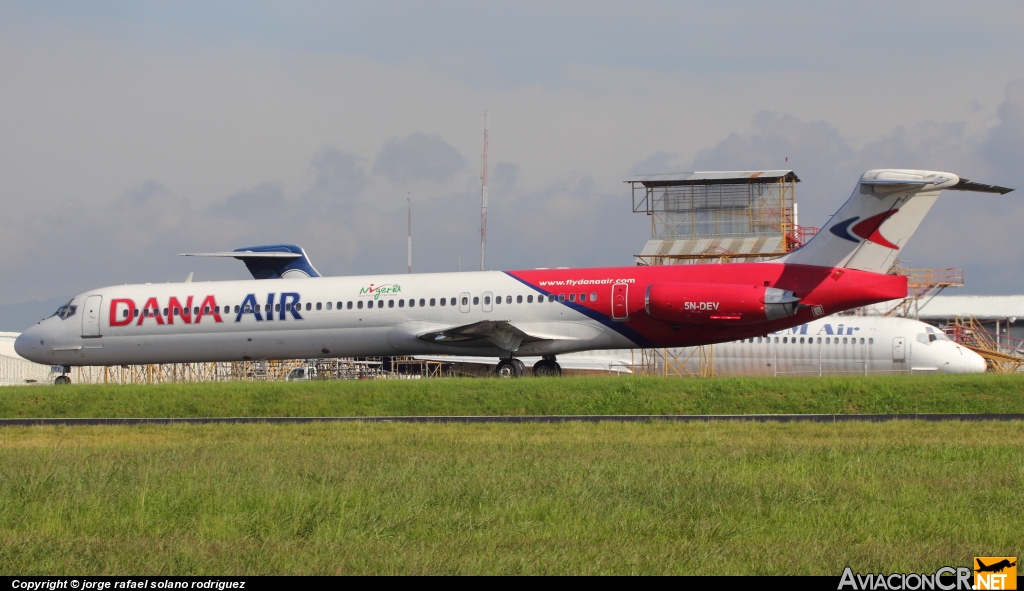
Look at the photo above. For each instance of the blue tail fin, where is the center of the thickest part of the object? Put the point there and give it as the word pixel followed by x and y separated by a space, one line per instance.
pixel 270 261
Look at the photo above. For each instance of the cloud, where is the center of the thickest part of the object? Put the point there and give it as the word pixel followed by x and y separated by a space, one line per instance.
pixel 1004 146
pixel 504 178
pixel 265 200
pixel 418 157
pixel 339 175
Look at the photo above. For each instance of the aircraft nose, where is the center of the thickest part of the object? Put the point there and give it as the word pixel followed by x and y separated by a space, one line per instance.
pixel 976 363
pixel 30 344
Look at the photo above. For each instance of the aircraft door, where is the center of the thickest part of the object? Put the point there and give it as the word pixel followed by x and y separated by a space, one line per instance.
pixel 91 316
pixel 464 302
pixel 620 293
pixel 899 349
pixel 487 301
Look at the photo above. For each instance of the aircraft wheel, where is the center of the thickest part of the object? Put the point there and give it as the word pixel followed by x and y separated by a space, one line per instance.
pixel 62 380
pixel 520 368
pixel 547 369
pixel 506 369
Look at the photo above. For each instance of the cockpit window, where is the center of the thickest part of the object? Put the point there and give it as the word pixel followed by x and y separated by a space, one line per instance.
pixel 66 310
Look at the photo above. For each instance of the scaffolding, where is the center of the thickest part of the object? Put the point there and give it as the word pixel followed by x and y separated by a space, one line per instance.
pixel 685 362
pixel 1003 354
pixel 922 286
pixel 721 216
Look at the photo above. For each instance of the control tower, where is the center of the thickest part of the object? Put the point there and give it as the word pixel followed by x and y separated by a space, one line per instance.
pixel 718 216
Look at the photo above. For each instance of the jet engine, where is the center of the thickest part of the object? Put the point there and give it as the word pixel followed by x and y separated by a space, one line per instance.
pixel 700 303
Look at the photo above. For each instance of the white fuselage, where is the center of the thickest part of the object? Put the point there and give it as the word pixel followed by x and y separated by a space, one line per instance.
pixel 891 345
pixel 93 335
pixel 845 345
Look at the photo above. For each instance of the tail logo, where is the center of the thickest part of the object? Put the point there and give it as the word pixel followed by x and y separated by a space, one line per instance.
pixel 865 229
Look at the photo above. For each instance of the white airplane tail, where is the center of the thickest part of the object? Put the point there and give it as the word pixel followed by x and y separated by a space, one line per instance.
pixel 886 207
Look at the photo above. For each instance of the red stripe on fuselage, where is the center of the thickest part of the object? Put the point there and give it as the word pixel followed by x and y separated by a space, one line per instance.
pixel 816 286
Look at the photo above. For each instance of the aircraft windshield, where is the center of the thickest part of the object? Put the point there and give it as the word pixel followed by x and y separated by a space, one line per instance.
pixel 66 310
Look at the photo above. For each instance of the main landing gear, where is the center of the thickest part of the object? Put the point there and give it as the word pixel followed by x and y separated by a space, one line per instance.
pixel 514 368
pixel 510 368
pixel 547 368
pixel 63 378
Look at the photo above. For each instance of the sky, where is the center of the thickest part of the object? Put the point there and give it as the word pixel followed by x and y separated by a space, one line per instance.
pixel 131 132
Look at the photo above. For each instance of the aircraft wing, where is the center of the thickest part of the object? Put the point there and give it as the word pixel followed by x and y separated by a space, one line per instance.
pixel 570 361
pixel 500 333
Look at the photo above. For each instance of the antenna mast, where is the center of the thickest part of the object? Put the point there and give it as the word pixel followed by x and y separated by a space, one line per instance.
pixel 483 201
pixel 409 269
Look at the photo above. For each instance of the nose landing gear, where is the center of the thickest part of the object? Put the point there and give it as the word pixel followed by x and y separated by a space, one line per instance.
pixel 63 378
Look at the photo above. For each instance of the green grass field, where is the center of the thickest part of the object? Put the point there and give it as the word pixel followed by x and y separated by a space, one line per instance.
pixel 587 395
pixel 737 498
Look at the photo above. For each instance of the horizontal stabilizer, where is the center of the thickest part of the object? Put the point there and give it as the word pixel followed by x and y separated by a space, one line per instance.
pixel 272 261
pixel 966 185
pixel 244 255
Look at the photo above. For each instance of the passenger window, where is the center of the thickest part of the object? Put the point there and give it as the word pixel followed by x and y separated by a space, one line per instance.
pixel 497 299
pixel 572 297
pixel 776 340
pixel 195 311
pixel 349 305
pixel 871 341
pixel 175 311
pixel 476 300
pixel 206 310
pixel 819 340
pixel 785 340
pixel 288 307
pixel 359 304
pixel 487 300
pixel 465 301
pixel 339 305
pixel 237 308
pixel 844 341
pixel 862 340
pixel 380 303
pixel 508 299
pixel 135 314
pixel 412 303
pixel 165 311
pixel 561 297
pixel 124 313
pixel 401 304
pixel 593 296
pixel 583 298
pixel 432 302
pixel 551 297
pixel 452 302
pixel 309 306
pixel 423 301
pixel 529 299
pixel 318 306
pixel 329 305
pixel 443 300
pixel 801 340
pixel 391 303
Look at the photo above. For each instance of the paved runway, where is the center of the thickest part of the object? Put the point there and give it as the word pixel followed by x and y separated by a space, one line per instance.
pixel 523 419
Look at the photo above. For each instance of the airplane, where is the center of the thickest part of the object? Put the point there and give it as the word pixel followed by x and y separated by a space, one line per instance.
pixel 831 345
pixel 996 567
pixel 511 314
